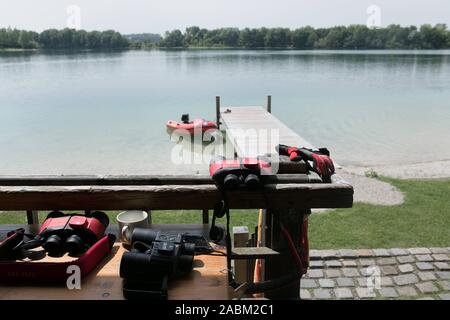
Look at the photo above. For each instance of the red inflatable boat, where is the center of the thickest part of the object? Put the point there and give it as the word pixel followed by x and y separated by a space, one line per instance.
pixel 193 127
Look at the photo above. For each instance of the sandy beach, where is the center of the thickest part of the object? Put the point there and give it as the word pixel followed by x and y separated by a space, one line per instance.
pixel 373 191
pixel 424 170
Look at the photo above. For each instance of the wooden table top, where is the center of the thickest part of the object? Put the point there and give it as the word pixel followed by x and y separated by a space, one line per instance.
pixel 208 280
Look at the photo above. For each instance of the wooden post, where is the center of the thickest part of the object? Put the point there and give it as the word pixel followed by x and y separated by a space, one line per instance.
pixel 205 216
pixel 32 217
pixel 283 264
pixel 241 235
pixel 218 111
pixel 149 218
pixel 269 104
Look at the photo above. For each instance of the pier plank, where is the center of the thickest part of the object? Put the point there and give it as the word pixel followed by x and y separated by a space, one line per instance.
pixel 254 119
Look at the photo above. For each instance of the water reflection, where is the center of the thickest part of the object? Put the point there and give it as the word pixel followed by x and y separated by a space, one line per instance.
pixel 105 112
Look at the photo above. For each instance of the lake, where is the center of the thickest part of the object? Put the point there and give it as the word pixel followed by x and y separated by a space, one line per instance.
pixel 105 112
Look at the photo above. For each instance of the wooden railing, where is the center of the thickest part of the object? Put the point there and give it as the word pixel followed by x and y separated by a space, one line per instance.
pixel 292 196
pixel 287 191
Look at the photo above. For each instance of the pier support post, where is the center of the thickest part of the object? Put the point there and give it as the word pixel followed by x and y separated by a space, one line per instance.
pixel 218 111
pixel 205 216
pixel 283 264
pixel 32 217
pixel 149 218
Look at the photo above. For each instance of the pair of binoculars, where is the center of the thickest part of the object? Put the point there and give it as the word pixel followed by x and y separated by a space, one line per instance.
pixel 72 233
pixel 234 173
pixel 155 258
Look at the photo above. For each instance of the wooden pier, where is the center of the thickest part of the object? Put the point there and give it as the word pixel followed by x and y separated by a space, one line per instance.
pixel 255 126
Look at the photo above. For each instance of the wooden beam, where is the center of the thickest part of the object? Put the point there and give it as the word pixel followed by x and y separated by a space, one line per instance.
pixel 253 253
pixel 149 180
pixel 172 197
pixel 240 239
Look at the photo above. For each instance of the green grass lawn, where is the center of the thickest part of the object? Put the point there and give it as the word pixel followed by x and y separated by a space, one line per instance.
pixel 239 217
pixel 423 220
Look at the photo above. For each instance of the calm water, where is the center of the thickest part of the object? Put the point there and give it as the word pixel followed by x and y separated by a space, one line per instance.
pixel 106 112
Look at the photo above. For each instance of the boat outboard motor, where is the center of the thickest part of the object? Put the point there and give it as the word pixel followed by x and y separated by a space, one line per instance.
pixel 185 118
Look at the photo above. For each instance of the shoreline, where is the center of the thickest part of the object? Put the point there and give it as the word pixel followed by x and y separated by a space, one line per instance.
pixel 17 50
pixel 439 169
pixel 369 189
pixel 443 51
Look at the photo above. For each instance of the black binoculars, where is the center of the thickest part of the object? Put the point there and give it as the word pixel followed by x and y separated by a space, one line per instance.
pixel 155 258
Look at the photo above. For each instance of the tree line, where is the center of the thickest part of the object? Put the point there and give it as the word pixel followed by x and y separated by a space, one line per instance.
pixel 340 37
pixel 61 39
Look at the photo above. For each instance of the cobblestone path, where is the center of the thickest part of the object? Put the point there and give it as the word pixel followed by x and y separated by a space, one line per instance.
pixel 414 273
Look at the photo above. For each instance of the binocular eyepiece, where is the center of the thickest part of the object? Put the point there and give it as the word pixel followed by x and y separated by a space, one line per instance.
pixel 233 181
pixel 72 233
pixel 54 245
pixel 234 173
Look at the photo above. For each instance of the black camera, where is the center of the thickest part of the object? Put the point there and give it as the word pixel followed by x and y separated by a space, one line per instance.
pixel 155 258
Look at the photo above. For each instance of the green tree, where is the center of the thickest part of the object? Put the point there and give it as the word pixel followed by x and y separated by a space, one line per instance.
pixel 193 36
pixel 173 39
pixel 434 37
pixel 66 38
pixel 50 39
pixel 28 40
pixel 304 38
pixel 336 38
pixel 80 39
pixel 94 39
pixel 117 41
pixel 230 37
pixel 2 37
pixel 247 38
pixel 12 38
pixel 277 38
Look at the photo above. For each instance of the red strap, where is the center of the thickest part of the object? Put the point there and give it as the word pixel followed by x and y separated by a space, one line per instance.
pixel 54 272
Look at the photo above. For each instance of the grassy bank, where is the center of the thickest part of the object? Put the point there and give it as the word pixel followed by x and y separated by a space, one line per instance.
pixel 423 220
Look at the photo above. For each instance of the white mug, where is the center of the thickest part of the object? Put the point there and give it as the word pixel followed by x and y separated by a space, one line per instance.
pixel 128 220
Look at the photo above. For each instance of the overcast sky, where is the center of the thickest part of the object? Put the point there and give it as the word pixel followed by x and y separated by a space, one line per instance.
pixel 129 16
